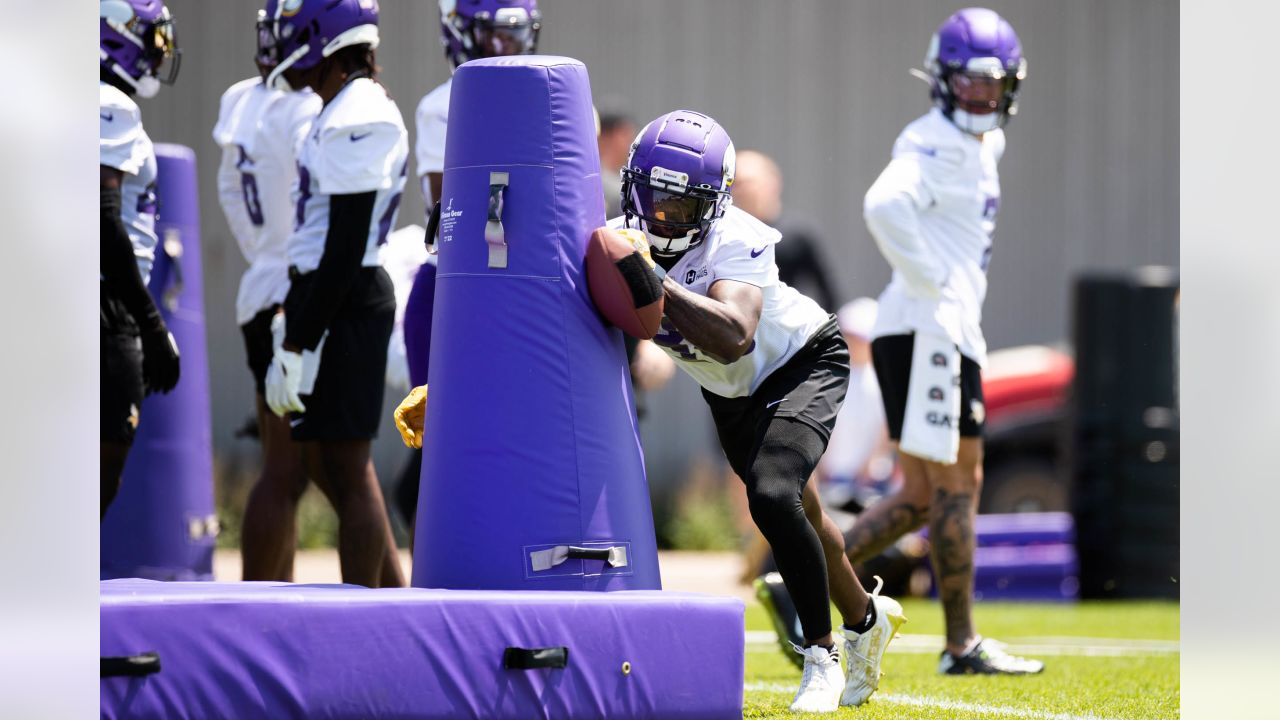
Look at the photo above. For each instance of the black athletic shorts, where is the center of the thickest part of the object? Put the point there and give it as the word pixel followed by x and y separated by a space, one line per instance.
pixel 259 347
pixel 809 388
pixel 120 371
pixel 346 402
pixel 891 355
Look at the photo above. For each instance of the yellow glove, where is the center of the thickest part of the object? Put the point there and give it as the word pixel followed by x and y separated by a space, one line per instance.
pixel 410 416
pixel 640 243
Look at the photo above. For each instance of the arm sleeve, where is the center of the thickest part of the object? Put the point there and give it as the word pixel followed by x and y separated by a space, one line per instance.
pixel 892 211
pixel 344 246
pixel 119 267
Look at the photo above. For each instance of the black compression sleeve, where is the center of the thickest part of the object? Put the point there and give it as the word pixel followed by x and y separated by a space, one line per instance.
pixel 119 267
pixel 344 246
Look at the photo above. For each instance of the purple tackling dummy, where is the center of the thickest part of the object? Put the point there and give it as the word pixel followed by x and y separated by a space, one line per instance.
pixel 533 476
pixel 162 525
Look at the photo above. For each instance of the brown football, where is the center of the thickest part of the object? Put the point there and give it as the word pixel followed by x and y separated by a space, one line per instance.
pixel 623 286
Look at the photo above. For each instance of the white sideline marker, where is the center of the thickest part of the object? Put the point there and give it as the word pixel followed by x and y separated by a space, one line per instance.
pixel 942 704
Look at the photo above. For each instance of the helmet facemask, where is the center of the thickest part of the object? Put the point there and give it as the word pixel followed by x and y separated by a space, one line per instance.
pixel 143 53
pixel 675 217
pixel 982 96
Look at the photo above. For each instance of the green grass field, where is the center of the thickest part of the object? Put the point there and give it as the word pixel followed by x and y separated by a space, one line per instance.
pixel 1104 661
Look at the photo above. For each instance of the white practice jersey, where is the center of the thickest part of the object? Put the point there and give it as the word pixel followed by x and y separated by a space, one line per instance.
pixel 431 119
pixel 125 146
pixel 740 248
pixel 260 130
pixel 933 212
pixel 357 144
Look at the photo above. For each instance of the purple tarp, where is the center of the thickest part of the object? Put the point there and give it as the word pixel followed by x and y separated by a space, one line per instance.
pixel 531 444
pixel 277 650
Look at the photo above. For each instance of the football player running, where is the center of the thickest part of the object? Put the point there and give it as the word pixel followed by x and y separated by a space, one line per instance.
pixel 932 213
pixel 259 129
pixel 328 366
pixel 773 370
pixel 137 53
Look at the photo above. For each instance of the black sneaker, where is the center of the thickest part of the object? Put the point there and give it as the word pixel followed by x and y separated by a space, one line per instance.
pixel 987 657
pixel 773 595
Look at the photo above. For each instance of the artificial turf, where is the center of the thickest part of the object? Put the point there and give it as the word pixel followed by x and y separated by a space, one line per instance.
pixel 1072 686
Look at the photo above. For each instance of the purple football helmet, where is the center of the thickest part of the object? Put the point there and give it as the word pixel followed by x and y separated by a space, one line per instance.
pixel 136 38
pixel 308 31
pixel 677 180
pixel 974 67
pixel 473 29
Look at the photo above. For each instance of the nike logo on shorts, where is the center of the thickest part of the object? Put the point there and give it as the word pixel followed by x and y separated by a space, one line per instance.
pixel 756 253
pixel 358 138
pixel 775 402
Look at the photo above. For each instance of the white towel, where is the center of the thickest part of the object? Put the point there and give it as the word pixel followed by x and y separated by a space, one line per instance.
pixel 931 422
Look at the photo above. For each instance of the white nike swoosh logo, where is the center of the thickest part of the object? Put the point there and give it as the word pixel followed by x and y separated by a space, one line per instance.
pixel 296 422
pixel 775 402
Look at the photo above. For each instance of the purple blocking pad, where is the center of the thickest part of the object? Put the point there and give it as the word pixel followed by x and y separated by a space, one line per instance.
pixel 275 650
pixel 162 524
pixel 533 475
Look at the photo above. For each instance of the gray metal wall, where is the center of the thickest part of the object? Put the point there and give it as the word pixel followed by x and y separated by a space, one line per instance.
pixel 1090 177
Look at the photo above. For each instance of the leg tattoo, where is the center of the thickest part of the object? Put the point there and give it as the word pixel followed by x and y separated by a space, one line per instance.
pixel 880 526
pixel 951 535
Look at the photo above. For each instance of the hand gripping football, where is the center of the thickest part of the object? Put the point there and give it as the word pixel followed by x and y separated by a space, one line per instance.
pixel 622 282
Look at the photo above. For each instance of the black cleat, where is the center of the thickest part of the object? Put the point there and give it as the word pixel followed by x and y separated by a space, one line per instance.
pixel 987 657
pixel 773 595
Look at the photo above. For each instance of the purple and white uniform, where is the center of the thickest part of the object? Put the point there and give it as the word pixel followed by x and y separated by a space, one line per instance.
pixel 260 131
pixel 740 247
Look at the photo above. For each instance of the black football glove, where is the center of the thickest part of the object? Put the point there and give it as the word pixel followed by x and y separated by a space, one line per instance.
pixel 159 359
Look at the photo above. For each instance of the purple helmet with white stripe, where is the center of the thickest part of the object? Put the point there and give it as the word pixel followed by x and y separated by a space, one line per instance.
pixel 474 29
pixel 975 66
pixel 308 31
pixel 677 179
pixel 138 44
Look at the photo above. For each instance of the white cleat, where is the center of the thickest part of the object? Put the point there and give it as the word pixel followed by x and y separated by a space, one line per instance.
pixel 863 651
pixel 820 685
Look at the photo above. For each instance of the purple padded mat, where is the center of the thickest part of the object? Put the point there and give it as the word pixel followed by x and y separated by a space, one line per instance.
pixel 278 650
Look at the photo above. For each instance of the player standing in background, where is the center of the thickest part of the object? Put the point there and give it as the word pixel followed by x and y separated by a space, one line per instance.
pixel 932 213
pixel 259 129
pixel 138 353
pixel 469 30
pixel 758 190
pixel 773 370
pixel 617 131
pixel 329 364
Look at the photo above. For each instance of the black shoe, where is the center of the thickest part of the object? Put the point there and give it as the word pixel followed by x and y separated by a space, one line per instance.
pixel 987 657
pixel 773 595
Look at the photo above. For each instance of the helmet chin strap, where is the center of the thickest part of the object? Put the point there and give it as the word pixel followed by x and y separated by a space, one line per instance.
pixel 146 87
pixel 276 79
